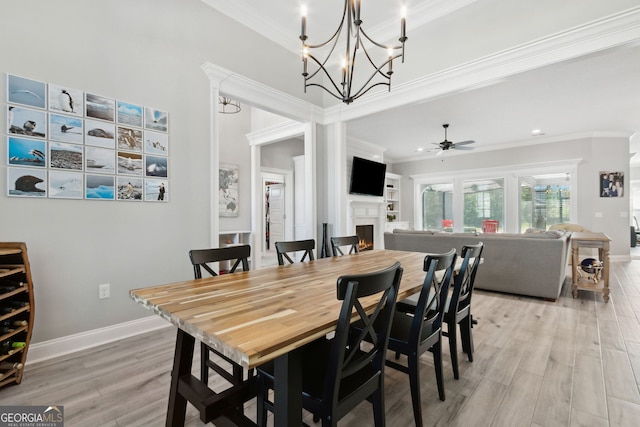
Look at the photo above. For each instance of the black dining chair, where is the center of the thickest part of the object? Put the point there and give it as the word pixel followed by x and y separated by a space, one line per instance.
pixel 283 249
pixel 458 305
pixel 337 243
pixel 416 329
pixel 338 373
pixel 201 258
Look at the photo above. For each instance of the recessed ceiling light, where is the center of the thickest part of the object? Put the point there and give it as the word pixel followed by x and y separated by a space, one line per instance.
pixel 537 132
pixel 419 149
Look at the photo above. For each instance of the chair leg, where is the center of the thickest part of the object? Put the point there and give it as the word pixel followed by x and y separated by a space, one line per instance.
pixel 204 369
pixel 452 335
pixel 467 336
pixel 414 384
pixel 261 410
pixel 377 399
pixel 437 362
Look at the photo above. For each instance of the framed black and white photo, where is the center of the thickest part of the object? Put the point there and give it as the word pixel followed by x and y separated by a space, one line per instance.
pixel 228 190
pixel 66 128
pixel 66 185
pixel 100 107
pixel 26 121
pixel 26 182
pixel 156 119
pixel 27 92
pixel 129 114
pixel 99 187
pixel 66 100
pixel 611 184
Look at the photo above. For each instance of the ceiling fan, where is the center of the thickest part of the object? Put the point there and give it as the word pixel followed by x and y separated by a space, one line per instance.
pixel 448 145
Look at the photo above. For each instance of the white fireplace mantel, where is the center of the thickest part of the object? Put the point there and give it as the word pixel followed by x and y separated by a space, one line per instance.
pixel 365 210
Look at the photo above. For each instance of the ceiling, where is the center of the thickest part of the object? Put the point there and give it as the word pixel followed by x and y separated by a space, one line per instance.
pixel 593 94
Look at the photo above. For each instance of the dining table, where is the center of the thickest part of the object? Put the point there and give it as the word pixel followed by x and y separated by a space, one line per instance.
pixel 257 316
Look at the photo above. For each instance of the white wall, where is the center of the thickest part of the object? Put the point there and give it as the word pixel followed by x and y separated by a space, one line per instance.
pixel 148 52
pixel 597 154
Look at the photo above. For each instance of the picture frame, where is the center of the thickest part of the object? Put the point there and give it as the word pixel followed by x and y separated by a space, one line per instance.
pixel 99 134
pixel 156 190
pixel 99 160
pixel 26 182
pixel 611 184
pixel 228 190
pixel 66 100
pixel 155 119
pixel 100 107
pixel 129 114
pixel 156 143
pixel 129 189
pixel 129 163
pixel 66 185
pixel 99 187
pixel 66 128
pixel 26 152
pixel 26 122
pixel 129 139
pixel 156 166
pixel 63 155
pixel 28 92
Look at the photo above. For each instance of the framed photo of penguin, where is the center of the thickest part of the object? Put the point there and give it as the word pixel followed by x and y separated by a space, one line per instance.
pixel 66 100
pixel 156 143
pixel 26 121
pixel 26 182
pixel 23 91
pixel 156 190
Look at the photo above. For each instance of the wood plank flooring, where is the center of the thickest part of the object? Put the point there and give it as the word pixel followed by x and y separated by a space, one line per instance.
pixel 575 362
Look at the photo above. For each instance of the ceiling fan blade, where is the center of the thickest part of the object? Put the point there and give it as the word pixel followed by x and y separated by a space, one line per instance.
pixel 439 153
pixel 461 148
pixel 465 142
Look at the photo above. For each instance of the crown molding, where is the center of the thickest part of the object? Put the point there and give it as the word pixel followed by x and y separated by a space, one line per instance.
pixel 607 32
pixel 275 133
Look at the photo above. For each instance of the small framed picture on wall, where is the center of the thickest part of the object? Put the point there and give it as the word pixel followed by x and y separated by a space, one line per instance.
pixel 611 184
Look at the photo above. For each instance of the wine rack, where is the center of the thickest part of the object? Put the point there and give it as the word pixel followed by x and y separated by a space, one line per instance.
pixel 16 311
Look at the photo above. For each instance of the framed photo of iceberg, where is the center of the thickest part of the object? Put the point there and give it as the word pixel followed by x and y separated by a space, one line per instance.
pixel 66 185
pixel 100 107
pixel 99 187
pixel 26 182
pixel 228 190
pixel 129 114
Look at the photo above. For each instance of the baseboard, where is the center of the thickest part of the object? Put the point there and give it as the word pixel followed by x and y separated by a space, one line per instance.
pixel 46 350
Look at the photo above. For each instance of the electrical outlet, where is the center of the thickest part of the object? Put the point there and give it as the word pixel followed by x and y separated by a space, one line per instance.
pixel 104 291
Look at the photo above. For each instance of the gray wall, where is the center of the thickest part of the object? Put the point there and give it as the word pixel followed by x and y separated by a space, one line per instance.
pixel 597 154
pixel 143 51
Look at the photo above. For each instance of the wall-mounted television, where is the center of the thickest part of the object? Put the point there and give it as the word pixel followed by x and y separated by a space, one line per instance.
pixel 367 177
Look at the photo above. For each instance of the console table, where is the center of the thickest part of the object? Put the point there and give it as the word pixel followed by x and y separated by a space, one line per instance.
pixel 598 281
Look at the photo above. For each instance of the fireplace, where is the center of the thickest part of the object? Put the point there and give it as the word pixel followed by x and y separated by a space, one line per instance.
pixel 365 237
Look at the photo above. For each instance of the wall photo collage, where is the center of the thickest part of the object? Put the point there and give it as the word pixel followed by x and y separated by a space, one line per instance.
pixel 64 143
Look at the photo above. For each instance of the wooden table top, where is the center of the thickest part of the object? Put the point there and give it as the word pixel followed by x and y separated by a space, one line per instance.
pixel 255 316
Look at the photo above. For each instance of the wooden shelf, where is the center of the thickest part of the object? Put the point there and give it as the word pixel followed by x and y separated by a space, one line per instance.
pixel 14 267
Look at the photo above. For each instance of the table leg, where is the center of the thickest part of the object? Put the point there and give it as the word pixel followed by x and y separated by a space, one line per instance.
pixel 182 361
pixel 288 389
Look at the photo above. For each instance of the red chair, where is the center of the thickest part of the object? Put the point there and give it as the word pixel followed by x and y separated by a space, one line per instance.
pixel 447 223
pixel 490 225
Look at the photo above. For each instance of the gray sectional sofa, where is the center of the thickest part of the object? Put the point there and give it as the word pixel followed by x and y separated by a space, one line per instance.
pixel 533 264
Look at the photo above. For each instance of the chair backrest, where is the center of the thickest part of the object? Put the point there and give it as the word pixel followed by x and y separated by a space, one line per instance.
pixel 337 242
pixel 465 278
pixel 490 225
pixel 200 258
pixel 433 295
pixel 283 248
pixel 636 221
pixel 346 358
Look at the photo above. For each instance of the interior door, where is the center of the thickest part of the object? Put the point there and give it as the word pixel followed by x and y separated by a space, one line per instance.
pixel 276 214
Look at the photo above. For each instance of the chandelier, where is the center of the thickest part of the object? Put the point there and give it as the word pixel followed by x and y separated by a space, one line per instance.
pixel 228 106
pixel 357 44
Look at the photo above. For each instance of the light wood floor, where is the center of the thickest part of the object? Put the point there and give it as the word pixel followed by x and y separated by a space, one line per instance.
pixel 575 362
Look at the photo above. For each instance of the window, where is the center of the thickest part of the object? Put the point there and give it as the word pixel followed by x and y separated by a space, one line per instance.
pixel 437 207
pixel 483 199
pixel 545 200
